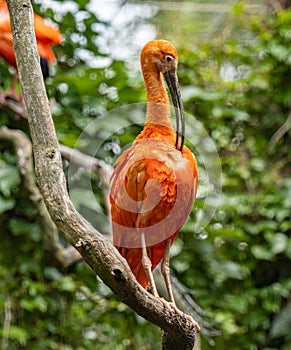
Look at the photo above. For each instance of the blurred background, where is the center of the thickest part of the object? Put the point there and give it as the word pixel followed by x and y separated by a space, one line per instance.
pixel 234 73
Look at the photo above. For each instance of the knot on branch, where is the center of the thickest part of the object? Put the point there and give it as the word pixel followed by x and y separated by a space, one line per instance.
pixel 118 274
pixel 50 153
pixel 82 243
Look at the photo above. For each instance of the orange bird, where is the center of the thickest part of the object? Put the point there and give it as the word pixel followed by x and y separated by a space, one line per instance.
pixel 153 186
pixel 46 35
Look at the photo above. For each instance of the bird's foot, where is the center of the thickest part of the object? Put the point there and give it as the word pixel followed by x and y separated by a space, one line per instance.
pixel 172 307
pixel 194 323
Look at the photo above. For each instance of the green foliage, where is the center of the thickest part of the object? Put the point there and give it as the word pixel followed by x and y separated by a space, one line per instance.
pixel 247 253
pixel 238 266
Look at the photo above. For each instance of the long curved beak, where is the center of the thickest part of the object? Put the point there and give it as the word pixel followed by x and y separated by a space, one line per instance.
pixel 173 84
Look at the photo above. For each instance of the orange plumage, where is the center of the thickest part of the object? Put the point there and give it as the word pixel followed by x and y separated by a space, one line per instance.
pixel 46 35
pixel 155 181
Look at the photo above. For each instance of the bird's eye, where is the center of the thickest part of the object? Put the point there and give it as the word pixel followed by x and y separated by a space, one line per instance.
pixel 168 58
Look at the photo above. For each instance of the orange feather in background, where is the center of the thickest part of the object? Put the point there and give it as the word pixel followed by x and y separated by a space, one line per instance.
pixel 155 181
pixel 47 36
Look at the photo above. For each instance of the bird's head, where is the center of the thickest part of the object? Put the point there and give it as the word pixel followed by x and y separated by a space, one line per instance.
pixel 160 56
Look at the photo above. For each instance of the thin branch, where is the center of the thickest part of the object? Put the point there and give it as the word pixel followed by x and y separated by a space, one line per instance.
pixel 73 155
pixel 99 167
pixel 103 258
pixel 52 244
pixel 6 324
pixel 6 102
pixel 280 132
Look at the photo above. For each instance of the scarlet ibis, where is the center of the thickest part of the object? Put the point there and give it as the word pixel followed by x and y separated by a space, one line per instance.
pixel 153 186
pixel 47 36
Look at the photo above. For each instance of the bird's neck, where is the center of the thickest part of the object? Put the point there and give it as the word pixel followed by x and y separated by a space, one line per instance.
pixel 158 124
pixel 158 105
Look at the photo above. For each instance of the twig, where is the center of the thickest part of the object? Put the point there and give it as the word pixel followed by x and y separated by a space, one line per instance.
pixel 280 132
pixel 6 102
pixel 96 251
pixel 6 324
pixel 99 167
pixel 73 155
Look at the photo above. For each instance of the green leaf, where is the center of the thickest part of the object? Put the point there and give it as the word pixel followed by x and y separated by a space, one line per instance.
pixel 82 197
pixel 67 284
pixel 282 324
pixel 19 227
pixel 193 92
pixel 280 52
pixel 278 242
pixel 19 334
pixel 6 204
pixel 36 303
pixel 9 178
pixel 261 252
pixel 52 273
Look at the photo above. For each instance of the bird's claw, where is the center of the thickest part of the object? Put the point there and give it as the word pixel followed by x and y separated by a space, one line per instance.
pixel 194 323
pixel 172 307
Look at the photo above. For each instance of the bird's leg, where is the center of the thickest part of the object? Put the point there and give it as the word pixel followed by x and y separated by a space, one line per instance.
pixel 166 273
pixel 147 266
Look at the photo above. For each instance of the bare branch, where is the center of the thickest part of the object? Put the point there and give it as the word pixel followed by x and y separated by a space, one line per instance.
pixel 280 132
pixel 74 156
pixel 6 323
pixel 96 251
pixel 16 106
pixel 99 167
pixel 22 145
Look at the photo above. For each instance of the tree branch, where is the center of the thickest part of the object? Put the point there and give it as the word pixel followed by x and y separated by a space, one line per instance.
pixel 184 299
pixel 74 156
pixel 6 324
pixel 96 251
pixel 6 102
pixel 52 244
pixel 99 167
pixel 280 132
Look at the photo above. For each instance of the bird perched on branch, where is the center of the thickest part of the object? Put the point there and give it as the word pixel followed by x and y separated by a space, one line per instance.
pixel 47 35
pixel 154 183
